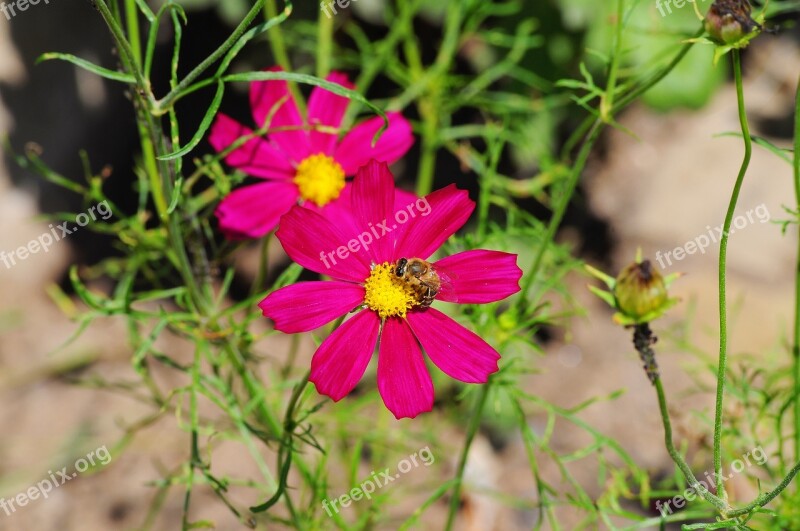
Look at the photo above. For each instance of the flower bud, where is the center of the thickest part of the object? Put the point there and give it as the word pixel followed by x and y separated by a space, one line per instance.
pixel 728 21
pixel 640 290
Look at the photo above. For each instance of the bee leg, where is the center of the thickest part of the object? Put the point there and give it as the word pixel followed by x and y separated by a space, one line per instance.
pixel 427 300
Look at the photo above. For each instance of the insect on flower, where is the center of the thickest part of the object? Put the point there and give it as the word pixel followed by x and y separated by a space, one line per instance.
pixel 301 160
pixel 423 278
pixel 393 287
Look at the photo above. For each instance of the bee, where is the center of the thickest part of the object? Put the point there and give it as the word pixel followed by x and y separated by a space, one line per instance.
pixel 422 278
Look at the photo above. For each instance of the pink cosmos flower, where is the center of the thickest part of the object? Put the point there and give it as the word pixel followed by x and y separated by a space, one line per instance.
pixel 301 161
pixel 391 313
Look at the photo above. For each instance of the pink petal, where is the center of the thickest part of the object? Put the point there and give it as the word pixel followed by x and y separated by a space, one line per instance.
pixel 356 149
pixel 326 108
pixel 255 157
pixel 403 379
pixel 443 212
pixel 458 352
pixel 403 199
pixel 372 200
pixel 264 96
pixel 340 361
pixel 306 306
pixel 340 213
pixel 313 242
pixel 253 211
pixel 479 276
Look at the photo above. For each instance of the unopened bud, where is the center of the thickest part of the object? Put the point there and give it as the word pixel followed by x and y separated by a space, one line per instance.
pixel 727 21
pixel 640 290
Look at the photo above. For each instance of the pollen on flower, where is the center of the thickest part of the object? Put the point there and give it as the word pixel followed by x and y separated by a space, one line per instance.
pixel 387 294
pixel 320 179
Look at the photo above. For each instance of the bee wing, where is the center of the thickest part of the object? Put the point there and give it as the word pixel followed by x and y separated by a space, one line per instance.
pixel 447 286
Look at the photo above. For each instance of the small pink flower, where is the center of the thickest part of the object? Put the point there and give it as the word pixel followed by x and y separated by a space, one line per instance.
pixel 300 161
pixel 366 279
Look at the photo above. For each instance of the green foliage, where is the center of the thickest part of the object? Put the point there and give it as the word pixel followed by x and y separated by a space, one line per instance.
pixel 172 280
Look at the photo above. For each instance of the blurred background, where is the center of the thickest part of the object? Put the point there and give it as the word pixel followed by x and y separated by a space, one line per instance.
pixel 657 188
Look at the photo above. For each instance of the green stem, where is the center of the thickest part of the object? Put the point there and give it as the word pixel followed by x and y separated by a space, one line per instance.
pixel 286 453
pixel 766 497
pixel 430 104
pixel 628 98
pixel 127 55
pixel 607 101
pixel 427 161
pixel 721 505
pixel 132 20
pixel 472 430
pixel 163 105
pixel 723 259
pixel 719 502
pixel 592 128
pixel 796 339
pixel 278 46
pixel 277 43
pixel 324 43
pixel 561 209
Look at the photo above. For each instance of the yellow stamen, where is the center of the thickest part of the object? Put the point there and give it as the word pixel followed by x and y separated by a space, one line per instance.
pixel 320 179
pixel 387 294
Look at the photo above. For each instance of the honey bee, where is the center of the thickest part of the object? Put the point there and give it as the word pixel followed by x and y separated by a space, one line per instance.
pixel 422 278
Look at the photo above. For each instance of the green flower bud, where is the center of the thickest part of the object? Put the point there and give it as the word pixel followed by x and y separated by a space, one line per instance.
pixel 728 21
pixel 640 290
pixel 508 320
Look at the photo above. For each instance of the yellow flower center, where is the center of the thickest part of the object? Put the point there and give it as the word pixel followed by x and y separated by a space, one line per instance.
pixel 320 179
pixel 387 294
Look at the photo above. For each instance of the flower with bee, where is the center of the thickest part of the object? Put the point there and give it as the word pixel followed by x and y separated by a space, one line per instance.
pixel 392 287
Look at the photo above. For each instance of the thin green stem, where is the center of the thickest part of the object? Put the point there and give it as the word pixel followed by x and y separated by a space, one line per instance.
pixel 427 161
pixel 279 52
pixel 796 338
pixel 766 497
pixel 472 430
pixel 132 20
pixel 628 98
pixel 607 101
pixel 590 131
pixel 431 83
pixel 324 43
pixel 719 502
pixel 164 104
pixel 561 209
pixel 275 35
pixel 723 260
pixel 127 54
pixel 721 505
pixel 148 150
pixel 373 64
